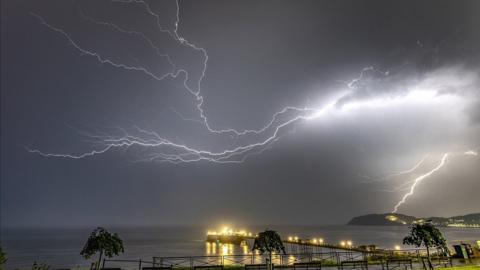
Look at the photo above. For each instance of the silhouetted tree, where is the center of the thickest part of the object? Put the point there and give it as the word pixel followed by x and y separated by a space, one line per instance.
pixel 425 233
pixel 268 241
pixel 103 242
pixel 3 258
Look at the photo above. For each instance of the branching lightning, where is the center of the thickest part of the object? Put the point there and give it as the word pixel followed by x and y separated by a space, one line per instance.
pixel 418 180
pixel 407 171
pixel 422 177
pixel 396 174
pixel 149 139
pixel 162 149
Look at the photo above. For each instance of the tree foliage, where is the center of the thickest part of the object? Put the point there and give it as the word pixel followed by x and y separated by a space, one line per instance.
pixel 103 242
pixel 268 241
pixel 3 258
pixel 425 234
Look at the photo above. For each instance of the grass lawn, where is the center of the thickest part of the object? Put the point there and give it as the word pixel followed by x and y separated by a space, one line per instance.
pixel 470 267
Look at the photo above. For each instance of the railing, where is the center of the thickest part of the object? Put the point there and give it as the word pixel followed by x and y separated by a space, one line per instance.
pixel 132 263
pixel 327 258
pixel 389 260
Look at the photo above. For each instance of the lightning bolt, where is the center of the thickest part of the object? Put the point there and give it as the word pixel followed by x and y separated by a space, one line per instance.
pixel 409 170
pixel 393 175
pixel 158 148
pixel 422 177
pixel 419 180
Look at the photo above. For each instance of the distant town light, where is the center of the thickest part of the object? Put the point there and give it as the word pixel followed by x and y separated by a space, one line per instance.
pixel 397 247
pixel 392 217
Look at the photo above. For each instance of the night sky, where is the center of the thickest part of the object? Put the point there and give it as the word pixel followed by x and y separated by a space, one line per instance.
pixel 92 134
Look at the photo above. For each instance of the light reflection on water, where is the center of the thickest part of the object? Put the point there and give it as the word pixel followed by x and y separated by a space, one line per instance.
pixel 214 248
pixel 233 254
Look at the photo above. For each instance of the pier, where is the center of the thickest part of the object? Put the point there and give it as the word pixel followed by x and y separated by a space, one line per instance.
pixel 310 246
pixel 292 244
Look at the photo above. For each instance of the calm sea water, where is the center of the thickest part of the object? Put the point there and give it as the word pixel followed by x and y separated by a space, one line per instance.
pixel 61 247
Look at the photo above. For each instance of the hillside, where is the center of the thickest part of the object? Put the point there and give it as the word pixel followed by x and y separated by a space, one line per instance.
pixel 395 219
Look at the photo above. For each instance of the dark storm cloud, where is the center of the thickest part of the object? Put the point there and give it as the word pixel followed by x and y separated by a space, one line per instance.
pixel 262 56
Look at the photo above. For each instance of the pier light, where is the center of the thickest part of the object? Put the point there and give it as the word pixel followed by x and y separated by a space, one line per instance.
pixel 295 238
pixel 227 231
pixel 224 250
pixel 249 234
pixel 397 247
pixel 290 238
pixel 314 240
pixel 343 243
pixel 320 240
pixel 349 243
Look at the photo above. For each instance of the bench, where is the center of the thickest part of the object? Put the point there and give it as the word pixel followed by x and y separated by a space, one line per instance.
pixel 399 263
pixel 442 261
pixel 361 264
pixel 308 265
pixel 208 267
pixel 257 267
